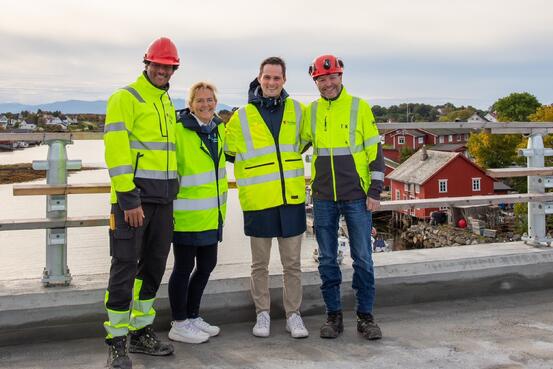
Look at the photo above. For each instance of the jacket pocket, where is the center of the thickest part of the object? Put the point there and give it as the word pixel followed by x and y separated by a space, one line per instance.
pixel 138 156
pixel 260 165
pixel 122 244
pixel 289 160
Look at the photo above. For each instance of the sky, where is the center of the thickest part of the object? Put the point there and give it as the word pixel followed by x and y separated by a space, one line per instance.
pixel 468 52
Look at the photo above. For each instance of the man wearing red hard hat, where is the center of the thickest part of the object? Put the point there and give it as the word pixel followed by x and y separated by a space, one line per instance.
pixel 347 176
pixel 139 137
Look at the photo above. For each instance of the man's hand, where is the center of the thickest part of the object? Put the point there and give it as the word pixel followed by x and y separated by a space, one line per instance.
pixel 372 204
pixel 134 217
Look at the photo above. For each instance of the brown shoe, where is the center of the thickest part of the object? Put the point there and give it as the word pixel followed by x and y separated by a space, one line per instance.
pixel 334 325
pixel 367 327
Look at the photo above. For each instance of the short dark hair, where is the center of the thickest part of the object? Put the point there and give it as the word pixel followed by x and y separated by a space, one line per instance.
pixel 273 60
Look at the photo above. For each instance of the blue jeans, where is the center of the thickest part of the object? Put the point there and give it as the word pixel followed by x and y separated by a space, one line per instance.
pixel 359 223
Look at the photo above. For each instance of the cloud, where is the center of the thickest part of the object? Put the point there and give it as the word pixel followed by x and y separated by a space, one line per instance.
pixel 464 50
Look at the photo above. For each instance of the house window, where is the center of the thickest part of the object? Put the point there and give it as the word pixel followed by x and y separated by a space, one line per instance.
pixel 441 139
pixel 421 140
pixel 459 138
pixel 442 185
pixel 450 138
pixel 476 184
pixel 417 188
pixel 466 136
pixel 382 140
pixel 401 140
pixel 398 195
pixel 412 188
pixel 406 187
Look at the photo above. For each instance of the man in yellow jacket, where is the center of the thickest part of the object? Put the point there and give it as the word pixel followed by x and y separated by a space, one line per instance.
pixel 264 139
pixel 141 159
pixel 347 175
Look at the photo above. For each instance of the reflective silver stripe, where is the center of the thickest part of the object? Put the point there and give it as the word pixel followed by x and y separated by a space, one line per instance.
pixel 377 175
pixel 336 151
pixel 255 153
pixel 245 129
pixel 156 174
pixel 357 148
pixel 372 141
pixel 202 178
pixel 123 169
pixel 313 121
pixel 269 177
pixel 297 108
pixel 118 324
pixel 134 93
pixel 200 204
pixel 164 146
pixel 353 123
pixel 114 127
pixel 288 148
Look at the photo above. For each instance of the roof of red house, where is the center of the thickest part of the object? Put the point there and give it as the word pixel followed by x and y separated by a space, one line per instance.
pixel 415 170
pixel 449 147
pixel 410 132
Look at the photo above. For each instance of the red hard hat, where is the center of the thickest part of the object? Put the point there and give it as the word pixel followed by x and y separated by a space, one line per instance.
pixel 162 51
pixel 326 64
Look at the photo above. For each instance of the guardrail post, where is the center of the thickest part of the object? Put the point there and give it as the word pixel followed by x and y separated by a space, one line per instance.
pixel 535 154
pixel 56 271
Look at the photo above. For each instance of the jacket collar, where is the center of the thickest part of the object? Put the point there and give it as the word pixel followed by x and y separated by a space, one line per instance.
pixel 148 87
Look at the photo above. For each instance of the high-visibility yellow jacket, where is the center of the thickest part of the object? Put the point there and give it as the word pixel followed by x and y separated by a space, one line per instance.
pixel 345 141
pixel 202 199
pixel 139 137
pixel 267 175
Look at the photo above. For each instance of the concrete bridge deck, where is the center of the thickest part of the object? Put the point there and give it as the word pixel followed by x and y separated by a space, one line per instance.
pixel 513 331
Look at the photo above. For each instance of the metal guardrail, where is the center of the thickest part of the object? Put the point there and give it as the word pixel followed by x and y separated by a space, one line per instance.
pixel 56 271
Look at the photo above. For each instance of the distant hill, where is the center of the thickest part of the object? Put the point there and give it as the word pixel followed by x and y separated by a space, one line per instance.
pixel 78 107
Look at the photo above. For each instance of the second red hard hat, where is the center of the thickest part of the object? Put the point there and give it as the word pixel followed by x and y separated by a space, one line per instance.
pixel 326 64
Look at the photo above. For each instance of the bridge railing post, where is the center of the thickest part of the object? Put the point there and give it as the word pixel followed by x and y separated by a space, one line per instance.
pixel 535 154
pixel 56 271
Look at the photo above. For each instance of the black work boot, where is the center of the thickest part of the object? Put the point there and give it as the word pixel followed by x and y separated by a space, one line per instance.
pixel 334 325
pixel 117 353
pixel 145 341
pixel 367 327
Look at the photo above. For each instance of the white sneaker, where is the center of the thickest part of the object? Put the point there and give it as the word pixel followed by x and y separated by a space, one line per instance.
pixel 186 331
pixel 294 325
pixel 204 326
pixel 262 327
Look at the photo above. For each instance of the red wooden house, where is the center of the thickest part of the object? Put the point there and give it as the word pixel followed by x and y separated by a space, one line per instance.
pixel 432 174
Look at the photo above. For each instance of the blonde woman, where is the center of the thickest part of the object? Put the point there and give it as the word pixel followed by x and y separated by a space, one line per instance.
pixel 199 211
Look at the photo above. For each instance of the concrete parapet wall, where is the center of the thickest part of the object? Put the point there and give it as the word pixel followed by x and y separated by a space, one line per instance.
pixel 30 311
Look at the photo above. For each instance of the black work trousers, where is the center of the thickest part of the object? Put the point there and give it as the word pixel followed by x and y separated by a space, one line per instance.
pixel 139 253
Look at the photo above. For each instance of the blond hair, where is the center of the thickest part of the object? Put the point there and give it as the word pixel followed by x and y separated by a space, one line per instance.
pixel 193 91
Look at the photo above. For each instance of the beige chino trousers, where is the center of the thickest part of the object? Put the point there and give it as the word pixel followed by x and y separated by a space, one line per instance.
pixel 290 257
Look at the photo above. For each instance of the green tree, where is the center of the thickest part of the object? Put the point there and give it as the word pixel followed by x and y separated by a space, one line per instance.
pixel 516 107
pixel 493 151
pixel 405 153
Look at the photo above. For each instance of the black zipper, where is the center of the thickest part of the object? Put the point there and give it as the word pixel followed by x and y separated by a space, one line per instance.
pixel 138 156
pixel 289 160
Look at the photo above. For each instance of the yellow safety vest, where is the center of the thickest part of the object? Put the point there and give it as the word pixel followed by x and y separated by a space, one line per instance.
pixel 344 126
pixel 203 188
pixel 139 136
pixel 267 175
